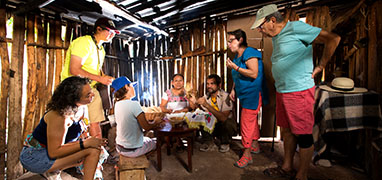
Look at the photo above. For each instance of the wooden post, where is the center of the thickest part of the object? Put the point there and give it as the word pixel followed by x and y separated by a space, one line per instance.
pixel 41 57
pixel 221 54
pixel 58 42
pixel 216 42
pixel 52 32
pixel 31 85
pixel 372 51
pixel 4 89
pixel 14 168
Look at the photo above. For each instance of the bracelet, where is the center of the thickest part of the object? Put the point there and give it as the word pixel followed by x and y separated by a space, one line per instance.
pixel 237 68
pixel 82 144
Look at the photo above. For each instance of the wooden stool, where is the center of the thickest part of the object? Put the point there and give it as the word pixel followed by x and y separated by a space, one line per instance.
pixel 131 168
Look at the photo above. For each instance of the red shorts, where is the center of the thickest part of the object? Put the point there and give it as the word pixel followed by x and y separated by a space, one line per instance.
pixel 295 111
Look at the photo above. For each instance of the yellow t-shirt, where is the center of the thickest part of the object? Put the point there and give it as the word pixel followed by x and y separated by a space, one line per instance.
pixel 85 48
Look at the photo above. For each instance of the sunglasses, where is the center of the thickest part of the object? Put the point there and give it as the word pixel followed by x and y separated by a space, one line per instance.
pixel 111 31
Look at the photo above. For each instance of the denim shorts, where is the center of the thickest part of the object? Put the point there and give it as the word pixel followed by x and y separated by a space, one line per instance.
pixel 36 159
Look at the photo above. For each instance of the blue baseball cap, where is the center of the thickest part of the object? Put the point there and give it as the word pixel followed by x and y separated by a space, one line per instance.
pixel 120 82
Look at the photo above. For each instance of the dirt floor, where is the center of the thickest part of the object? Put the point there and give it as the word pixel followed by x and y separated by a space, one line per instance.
pixel 215 166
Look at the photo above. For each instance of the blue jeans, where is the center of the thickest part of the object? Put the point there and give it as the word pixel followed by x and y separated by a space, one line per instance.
pixel 36 159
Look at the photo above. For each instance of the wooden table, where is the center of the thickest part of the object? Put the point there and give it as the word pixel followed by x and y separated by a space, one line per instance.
pixel 178 132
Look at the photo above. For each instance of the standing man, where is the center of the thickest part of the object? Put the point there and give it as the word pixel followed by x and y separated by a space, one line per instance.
pixel 85 58
pixel 292 69
pixel 217 102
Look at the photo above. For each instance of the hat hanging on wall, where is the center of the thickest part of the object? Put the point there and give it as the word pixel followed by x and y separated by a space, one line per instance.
pixel 343 85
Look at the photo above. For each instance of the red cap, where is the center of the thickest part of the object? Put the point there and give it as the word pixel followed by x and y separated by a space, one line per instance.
pixel 106 23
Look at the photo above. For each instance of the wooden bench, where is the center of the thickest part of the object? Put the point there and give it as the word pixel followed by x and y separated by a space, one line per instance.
pixel 131 168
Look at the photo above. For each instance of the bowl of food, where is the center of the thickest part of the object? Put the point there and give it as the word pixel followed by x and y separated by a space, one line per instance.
pixel 152 112
pixel 151 116
pixel 176 118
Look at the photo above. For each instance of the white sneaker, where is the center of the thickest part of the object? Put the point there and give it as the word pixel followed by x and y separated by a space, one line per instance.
pixel 52 175
pixel 224 148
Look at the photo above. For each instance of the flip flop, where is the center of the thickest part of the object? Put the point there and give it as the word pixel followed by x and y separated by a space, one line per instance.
pixel 278 172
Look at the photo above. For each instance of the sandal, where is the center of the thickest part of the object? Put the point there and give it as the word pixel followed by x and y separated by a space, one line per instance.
pixel 279 172
pixel 255 150
pixel 243 161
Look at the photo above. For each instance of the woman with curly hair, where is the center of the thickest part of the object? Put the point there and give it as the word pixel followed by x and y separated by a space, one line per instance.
pixel 55 143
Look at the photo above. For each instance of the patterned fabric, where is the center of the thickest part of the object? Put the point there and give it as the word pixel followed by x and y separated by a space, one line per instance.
pixel 29 143
pixel 201 118
pixel 338 112
pixel 175 102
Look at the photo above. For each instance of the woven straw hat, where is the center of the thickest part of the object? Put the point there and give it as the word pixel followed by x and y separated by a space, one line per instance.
pixel 343 85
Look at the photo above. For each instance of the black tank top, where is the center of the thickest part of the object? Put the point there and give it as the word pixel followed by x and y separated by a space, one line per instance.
pixel 73 133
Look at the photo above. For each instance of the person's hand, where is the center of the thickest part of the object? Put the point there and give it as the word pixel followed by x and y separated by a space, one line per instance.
pixel 232 95
pixel 230 64
pixel 157 120
pixel 202 101
pixel 93 142
pixel 178 111
pixel 168 111
pixel 192 99
pixel 317 70
pixel 106 80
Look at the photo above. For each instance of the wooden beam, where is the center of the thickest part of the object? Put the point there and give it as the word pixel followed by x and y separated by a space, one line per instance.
pixel 32 5
pixel 40 85
pixel 347 15
pixel 59 60
pixel 372 51
pixel 32 79
pixel 14 168
pixel 52 31
pixel 177 7
pixel 5 72
pixel 144 5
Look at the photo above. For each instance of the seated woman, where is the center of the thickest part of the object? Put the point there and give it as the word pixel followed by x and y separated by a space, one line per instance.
pixel 55 144
pixel 130 120
pixel 174 100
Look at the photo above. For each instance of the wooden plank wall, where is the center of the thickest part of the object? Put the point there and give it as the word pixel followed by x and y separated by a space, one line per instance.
pixel 44 62
pixel 194 50
pixel 4 90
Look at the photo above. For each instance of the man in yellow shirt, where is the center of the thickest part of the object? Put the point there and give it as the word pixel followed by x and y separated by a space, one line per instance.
pixel 84 58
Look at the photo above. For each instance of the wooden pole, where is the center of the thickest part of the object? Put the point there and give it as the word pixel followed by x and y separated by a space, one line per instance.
pixel 52 31
pixel 59 60
pixel 221 55
pixel 4 90
pixel 14 168
pixel 216 42
pixel 41 57
pixel 372 51
pixel 31 85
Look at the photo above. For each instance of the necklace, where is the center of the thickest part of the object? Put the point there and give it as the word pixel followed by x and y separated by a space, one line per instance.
pixel 98 48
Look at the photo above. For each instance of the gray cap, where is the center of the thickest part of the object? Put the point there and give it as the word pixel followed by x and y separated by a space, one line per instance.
pixel 262 13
